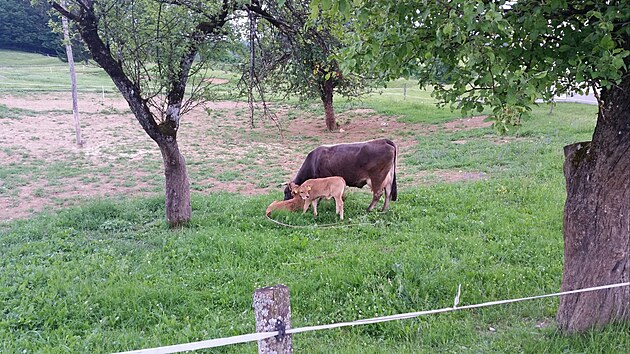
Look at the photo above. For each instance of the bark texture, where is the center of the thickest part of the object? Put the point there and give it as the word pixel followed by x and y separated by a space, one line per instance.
pixel 597 219
pixel 177 186
pixel 327 91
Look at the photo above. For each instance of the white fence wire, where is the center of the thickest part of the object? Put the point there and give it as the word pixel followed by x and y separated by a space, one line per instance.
pixel 212 343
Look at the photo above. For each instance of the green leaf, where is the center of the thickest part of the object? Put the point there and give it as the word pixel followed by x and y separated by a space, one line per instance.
pixel 344 6
pixel 606 42
pixel 540 75
pixel 579 76
pixel 314 5
pixel 448 29
pixel 491 57
pixel 618 63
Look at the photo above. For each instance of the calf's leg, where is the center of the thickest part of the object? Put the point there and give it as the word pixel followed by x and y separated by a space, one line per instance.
pixel 314 203
pixel 339 205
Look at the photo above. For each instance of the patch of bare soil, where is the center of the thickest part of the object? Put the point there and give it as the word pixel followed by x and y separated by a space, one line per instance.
pixel 467 123
pixel 216 81
pixel 45 169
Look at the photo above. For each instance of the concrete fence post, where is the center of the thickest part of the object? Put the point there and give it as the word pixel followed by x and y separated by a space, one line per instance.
pixel 272 309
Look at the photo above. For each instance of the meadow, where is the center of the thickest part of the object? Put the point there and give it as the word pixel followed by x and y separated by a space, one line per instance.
pixel 88 265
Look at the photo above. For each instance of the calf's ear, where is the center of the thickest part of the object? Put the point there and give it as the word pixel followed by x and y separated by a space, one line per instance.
pixel 309 188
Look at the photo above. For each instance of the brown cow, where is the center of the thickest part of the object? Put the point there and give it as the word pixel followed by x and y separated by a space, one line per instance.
pixel 329 187
pixel 371 162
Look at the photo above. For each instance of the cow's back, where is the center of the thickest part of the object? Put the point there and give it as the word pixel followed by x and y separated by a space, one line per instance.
pixel 357 163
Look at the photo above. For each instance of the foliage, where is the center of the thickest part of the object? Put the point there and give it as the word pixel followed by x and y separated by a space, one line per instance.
pixel 150 38
pixel 296 53
pixel 502 54
pixel 24 28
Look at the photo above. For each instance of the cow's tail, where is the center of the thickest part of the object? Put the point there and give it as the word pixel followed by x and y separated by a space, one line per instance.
pixel 394 189
pixel 394 193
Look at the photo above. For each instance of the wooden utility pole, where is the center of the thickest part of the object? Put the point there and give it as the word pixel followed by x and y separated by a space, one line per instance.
pixel 73 79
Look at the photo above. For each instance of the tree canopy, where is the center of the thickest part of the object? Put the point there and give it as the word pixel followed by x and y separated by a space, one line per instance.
pixel 296 54
pixel 503 54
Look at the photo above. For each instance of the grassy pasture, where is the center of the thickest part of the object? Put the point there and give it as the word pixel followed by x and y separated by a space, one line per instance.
pixel 107 275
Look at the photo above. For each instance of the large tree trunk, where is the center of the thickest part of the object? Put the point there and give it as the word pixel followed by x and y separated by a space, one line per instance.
pixel 178 207
pixel 327 99
pixel 597 219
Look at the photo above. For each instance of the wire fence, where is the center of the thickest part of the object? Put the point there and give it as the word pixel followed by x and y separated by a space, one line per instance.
pixel 25 86
pixel 219 342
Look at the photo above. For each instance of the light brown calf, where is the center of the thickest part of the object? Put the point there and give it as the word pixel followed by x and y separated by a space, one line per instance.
pixel 294 204
pixel 329 187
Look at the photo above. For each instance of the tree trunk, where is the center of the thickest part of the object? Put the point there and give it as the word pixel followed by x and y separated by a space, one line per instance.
pixel 178 207
pixel 597 219
pixel 327 98
pixel 177 186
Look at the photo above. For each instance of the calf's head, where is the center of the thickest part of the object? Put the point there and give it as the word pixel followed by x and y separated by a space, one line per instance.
pixel 304 192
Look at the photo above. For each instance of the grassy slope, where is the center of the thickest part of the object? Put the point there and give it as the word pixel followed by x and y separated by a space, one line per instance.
pixel 108 276
pixel 29 73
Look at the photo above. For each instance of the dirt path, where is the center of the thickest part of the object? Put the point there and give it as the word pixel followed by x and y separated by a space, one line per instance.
pixel 42 168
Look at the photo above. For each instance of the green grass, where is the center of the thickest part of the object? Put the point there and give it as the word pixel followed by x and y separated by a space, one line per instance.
pixel 109 276
pixel 29 73
pixel 14 113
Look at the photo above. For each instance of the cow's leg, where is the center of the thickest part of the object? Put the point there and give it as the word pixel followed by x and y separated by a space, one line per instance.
pixel 387 187
pixel 388 196
pixel 306 205
pixel 376 196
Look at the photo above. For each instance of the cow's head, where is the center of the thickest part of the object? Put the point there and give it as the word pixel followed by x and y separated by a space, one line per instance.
pixel 291 190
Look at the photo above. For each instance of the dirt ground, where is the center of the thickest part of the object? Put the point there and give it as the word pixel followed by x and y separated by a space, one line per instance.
pixel 42 168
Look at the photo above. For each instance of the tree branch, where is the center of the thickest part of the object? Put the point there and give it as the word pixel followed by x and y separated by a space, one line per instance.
pixel 257 9
pixel 64 12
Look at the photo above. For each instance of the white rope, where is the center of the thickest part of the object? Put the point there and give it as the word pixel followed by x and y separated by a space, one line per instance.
pixel 447 309
pixel 264 335
pixel 212 343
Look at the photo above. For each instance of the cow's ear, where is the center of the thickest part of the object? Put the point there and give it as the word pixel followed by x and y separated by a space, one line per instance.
pixel 309 188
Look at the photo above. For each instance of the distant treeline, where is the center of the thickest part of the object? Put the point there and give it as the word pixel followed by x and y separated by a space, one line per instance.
pixel 25 28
